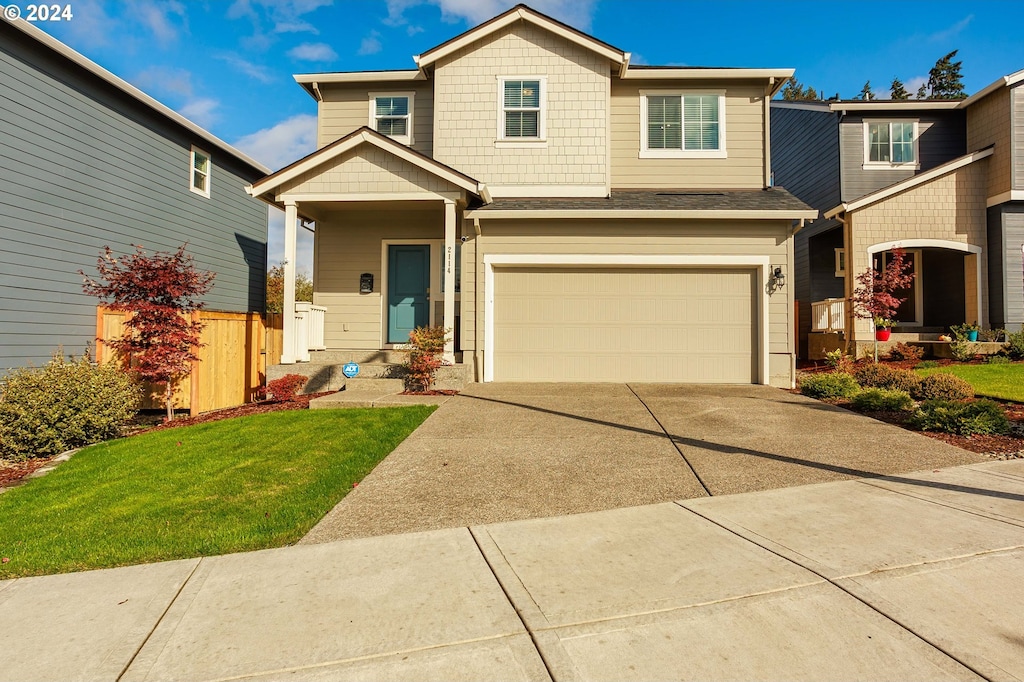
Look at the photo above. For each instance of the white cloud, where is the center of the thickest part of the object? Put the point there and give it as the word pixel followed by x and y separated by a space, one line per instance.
pixel 283 143
pixel 202 111
pixel 165 80
pixel 951 32
pixel 370 45
pixel 165 19
pixel 284 16
pixel 255 71
pixel 577 13
pixel 313 52
pixel 91 26
pixel 914 84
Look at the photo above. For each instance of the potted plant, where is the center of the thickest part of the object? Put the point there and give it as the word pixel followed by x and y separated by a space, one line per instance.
pixel 883 328
pixel 965 332
pixel 874 297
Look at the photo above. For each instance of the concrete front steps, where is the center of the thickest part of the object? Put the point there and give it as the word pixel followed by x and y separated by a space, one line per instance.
pixel 378 372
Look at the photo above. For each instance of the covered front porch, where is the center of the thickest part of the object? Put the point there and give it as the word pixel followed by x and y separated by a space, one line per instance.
pixel 386 255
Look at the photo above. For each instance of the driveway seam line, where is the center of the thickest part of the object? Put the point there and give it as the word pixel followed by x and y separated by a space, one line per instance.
pixel 508 597
pixel 159 620
pixel 671 440
pixel 991 516
pixel 849 592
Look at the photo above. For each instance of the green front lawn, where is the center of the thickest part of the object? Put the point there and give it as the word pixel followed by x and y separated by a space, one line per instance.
pixel 225 486
pixel 1005 381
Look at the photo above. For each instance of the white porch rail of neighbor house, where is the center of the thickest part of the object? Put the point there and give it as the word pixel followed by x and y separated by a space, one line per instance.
pixel 828 315
pixel 309 328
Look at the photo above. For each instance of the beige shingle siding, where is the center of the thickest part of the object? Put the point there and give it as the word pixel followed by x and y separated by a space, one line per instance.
pixel 653 237
pixel 1017 93
pixel 744 131
pixel 951 208
pixel 988 122
pixel 347 107
pixel 363 170
pixel 467 112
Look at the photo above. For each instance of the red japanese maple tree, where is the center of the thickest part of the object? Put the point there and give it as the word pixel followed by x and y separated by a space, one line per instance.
pixel 158 292
pixel 875 298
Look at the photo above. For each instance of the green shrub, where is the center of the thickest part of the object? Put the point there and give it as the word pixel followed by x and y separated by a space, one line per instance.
pixel 943 386
pixel 965 419
pixel 991 334
pixel 998 360
pixel 962 351
pixel 884 376
pixel 62 405
pixel 882 400
pixel 927 364
pixel 1015 345
pixel 830 385
pixel 904 351
pixel 839 361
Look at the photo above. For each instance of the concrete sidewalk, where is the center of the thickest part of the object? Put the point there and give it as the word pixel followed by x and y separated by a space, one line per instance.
pixel 914 576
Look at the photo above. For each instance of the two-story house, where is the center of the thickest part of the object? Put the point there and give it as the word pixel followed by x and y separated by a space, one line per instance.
pixel 88 161
pixel 935 178
pixel 570 216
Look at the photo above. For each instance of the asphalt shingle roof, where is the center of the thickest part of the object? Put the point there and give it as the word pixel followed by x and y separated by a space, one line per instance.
pixel 773 199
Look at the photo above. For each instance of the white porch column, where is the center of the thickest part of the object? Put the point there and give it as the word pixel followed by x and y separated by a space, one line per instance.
pixel 288 349
pixel 448 317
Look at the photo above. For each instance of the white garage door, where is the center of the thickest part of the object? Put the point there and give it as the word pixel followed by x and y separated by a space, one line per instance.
pixel 625 324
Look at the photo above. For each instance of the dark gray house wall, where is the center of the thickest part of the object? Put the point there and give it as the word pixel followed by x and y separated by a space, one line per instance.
pixel 942 137
pixel 1006 265
pixel 84 165
pixel 805 153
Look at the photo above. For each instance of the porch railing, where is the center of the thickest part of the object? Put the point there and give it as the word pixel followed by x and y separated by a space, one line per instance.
pixel 828 315
pixel 309 329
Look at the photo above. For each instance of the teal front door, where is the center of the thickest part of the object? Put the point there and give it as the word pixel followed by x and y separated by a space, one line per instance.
pixel 408 282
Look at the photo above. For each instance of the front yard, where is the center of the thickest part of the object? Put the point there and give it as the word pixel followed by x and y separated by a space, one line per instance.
pixel 226 486
pixel 1001 381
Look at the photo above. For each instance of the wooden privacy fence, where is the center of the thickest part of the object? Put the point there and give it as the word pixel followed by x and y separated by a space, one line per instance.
pixel 231 362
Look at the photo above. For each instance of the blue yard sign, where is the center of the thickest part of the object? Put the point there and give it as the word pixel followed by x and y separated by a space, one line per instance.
pixel 350 369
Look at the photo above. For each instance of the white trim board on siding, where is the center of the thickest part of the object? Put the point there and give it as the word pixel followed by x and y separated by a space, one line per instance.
pixel 761 265
pixel 642 214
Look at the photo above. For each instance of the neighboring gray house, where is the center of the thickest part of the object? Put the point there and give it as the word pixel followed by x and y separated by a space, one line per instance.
pixel 932 177
pixel 87 161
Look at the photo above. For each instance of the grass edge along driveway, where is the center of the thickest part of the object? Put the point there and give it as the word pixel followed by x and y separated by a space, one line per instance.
pixel 1004 381
pixel 227 486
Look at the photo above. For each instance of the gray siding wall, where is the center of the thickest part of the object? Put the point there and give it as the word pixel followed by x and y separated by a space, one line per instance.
pixel 1006 265
pixel 1017 136
pixel 805 155
pixel 943 137
pixel 83 166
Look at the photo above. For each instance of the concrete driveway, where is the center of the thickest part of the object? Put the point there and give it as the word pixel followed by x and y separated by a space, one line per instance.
pixel 503 452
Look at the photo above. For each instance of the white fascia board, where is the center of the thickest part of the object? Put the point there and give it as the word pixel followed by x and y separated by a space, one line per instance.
pixel 832 213
pixel 916 180
pixel 821 107
pixel 1005 81
pixel 882 106
pixel 130 90
pixel 398 150
pixel 523 14
pixel 360 76
pixel 500 214
pixel 1011 195
pixel 706 74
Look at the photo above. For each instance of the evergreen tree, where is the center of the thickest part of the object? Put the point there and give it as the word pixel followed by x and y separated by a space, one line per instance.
pixel 899 91
pixel 811 93
pixel 922 92
pixel 793 90
pixel 945 80
pixel 865 93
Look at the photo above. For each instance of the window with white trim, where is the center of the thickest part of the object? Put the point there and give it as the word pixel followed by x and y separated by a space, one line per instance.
pixel 678 124
pixel 840 262
pixel 391 115
pixel 522 109
pixel 199 172
pixel 890 144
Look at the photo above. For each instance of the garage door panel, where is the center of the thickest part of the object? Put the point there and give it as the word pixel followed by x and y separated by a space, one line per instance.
pixel 610 324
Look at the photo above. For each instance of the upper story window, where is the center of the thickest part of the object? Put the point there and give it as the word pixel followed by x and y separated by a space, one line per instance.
pixel 890 144
pixel 676 124
pixel 391 115
pixel 199 172
pixel 522 102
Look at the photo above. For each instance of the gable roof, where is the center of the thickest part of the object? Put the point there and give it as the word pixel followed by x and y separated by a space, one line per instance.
pixel 366 135
pixel 521 13
pixel 910 183
pixel 1006 81
pixel 55 46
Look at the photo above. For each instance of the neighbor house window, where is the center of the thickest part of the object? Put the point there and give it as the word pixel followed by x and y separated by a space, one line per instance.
pixel 890 144
pixel 522 109
pixel 840 262
pixel 682 124
pixel 199 172
pixel 391 115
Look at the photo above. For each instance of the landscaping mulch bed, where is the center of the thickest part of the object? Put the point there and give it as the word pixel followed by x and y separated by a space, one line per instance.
pixel 12 472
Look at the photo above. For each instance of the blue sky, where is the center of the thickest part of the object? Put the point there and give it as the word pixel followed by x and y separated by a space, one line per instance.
pixel 228 64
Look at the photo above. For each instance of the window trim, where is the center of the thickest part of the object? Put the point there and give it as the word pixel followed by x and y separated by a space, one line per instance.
pixel 646 153
pixel 372 103
pixel 888 165
pixel 542 139
pixel 840 262
pixel 192 169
